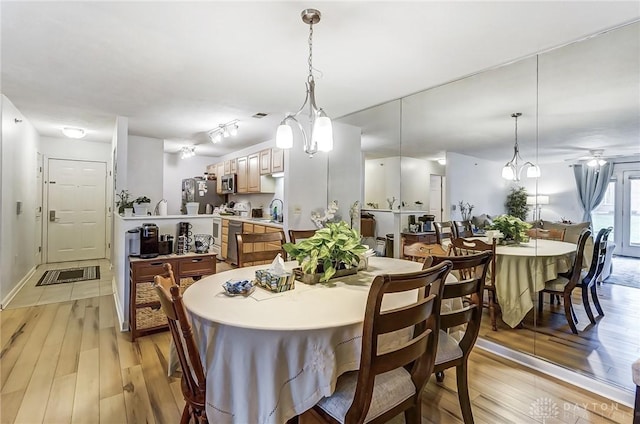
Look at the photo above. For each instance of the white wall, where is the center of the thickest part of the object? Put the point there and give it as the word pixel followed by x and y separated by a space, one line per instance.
pixel 145 167
pixel 415 182
pixel 175 170
pixel 382 181
pixel 476 181
pixel 18 153
pixel 345 170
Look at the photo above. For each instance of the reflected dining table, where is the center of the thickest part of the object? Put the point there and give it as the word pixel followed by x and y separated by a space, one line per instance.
pixel 522 270
pixel 271 356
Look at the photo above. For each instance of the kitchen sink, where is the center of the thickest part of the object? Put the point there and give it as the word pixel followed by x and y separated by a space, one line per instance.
pixel 266 220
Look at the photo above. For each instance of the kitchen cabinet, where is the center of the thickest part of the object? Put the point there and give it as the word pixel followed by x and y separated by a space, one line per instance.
pixel 277 160
pixel 253 173
pixel 241 179
pixel 265 162
pixel 230 166
pixel 225 238
pixel 219 174
pixel 145 312
pixel 259 247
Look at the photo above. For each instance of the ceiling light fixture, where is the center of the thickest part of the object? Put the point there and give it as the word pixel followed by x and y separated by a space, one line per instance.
pixel 511 170
pixel 321 138
pixel 73 132
pixel 596 160
pixel 442 161
pixel 187 152
pixel 223 131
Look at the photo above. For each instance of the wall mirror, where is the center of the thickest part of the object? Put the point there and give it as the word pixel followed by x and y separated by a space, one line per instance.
pixel 573 100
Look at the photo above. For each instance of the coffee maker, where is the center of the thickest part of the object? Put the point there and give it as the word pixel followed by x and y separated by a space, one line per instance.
pixel 149 241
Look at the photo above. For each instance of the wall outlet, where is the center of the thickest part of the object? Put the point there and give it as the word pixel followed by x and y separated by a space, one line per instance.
pixel 297 210
pixel 453 207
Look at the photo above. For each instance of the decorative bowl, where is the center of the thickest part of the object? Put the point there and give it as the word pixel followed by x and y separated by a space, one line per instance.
pixel 238 288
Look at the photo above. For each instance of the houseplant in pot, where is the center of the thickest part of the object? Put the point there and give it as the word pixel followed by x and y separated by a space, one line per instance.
pixel 513 228
pixel 141 205
pixel 124 202
pixel 330 250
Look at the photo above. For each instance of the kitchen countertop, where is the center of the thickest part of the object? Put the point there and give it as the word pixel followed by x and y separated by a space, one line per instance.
pixel 154 217
pixel 262 221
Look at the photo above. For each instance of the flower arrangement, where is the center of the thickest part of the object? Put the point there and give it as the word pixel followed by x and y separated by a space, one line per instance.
pixel 330 248
pixel 329 214
pixel 512 227
pixel 465 210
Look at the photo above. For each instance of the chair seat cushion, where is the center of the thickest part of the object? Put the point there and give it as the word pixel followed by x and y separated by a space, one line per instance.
pixel 636 372
pixel 448 348
pixel 391 389
pixel 557 284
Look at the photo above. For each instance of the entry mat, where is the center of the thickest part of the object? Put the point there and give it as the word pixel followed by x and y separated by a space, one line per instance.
pixel 71 275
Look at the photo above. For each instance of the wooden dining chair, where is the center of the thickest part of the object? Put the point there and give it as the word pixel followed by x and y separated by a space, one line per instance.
pixel 450 352
pixel 461 229
pixel 589 281
pixel 443 230
pixel 391 381
pixel 297 235
pixel 551 234
pixel 461 247
pixel 193 377
pixel 563 285
pixel 419 251
pixel 259 248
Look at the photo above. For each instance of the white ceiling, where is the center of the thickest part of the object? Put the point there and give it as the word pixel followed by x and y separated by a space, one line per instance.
pixel 178 69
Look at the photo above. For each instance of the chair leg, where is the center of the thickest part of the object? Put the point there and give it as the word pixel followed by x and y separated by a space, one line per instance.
pixel 585 303
pixel 596 301
pixel 492 311
pixel 463 393
pixel 540 303
pixel 414 415
pixel 570 314
pixel 186 415
pixel 440 376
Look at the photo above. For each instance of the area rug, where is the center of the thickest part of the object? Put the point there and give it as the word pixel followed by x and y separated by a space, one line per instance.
pixel 70 275
pixel 625 272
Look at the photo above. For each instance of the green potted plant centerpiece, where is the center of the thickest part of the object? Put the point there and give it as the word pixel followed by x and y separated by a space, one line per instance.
pixel 513 228
pixel 124 202
pixel 331 249
pixel 141 205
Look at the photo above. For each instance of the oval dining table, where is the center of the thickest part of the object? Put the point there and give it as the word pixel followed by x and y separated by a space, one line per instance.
pixel 271 356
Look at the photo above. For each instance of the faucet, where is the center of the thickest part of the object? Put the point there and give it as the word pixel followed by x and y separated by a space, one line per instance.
pixel 274 211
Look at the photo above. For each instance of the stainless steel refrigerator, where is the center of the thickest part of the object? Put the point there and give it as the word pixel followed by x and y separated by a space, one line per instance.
pixel 201 191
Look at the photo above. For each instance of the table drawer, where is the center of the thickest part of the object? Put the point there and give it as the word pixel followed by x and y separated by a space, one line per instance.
pixel 150 268
pixel 205 265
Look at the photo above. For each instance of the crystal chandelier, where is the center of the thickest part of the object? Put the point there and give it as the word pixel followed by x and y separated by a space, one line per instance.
pixel 321 138
pixel 511 170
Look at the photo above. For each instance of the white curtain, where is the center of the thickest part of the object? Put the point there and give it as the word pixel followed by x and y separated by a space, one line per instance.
pixel 592 184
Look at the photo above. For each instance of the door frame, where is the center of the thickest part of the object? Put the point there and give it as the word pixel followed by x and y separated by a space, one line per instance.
pixel 624 214
pixel 45 204
pixel 621 202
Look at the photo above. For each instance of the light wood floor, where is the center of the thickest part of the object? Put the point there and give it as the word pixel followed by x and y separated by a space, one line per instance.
pixel 67 363
pixel 605 350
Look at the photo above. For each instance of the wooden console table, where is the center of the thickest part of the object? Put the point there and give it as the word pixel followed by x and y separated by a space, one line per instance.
pixel 145 314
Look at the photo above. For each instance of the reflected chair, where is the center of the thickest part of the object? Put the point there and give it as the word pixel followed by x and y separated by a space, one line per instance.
pixel 391 381
pixel 564 284
pixel 450 352
pixel 461 247
pixel 419 251
pixel 297 235
pixel 193 377
pixel 589 281
pixel 461 229
pixel 259 248
pixel 552 234
pixel 444 231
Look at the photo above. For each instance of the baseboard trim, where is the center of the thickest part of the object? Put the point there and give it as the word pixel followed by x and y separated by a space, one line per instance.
pixel 124 325
pixel 9 297
pixel 587 383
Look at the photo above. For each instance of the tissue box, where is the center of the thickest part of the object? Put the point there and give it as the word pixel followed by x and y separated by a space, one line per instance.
pixel 273 282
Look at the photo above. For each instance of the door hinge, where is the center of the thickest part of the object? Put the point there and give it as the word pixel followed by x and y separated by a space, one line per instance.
pixel 109 245
pixel 39 249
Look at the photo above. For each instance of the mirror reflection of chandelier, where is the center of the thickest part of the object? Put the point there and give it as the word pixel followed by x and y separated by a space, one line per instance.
pixel 511 170
pixel 321 136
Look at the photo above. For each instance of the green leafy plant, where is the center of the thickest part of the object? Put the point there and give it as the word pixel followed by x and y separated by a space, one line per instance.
pixel 124 201
pixel 335 246
pixel 512 227
pixel 516 203
pixel 142 199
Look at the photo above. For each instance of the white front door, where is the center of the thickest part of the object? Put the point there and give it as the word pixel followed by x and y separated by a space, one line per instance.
pixel 630 214
pixel 76 210
pixel 435 196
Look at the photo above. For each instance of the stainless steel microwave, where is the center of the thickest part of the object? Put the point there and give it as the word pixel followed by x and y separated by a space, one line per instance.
pixel 229 183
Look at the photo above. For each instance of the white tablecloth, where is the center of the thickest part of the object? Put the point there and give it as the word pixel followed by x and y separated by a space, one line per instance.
pixel 271 356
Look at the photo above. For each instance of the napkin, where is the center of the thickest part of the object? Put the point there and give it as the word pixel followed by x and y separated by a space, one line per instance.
pixel 277 266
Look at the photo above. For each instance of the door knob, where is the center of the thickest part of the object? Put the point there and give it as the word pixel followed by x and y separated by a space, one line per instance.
pixel 52 216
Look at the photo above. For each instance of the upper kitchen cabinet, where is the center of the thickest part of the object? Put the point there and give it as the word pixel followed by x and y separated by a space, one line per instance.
pixel 277 160
pixel 265 162
pixel 254 169
pixel 242 185
pixel 230 166
pixel 219 174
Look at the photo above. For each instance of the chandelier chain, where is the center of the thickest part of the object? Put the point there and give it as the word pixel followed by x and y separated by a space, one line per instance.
pixel 310 78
